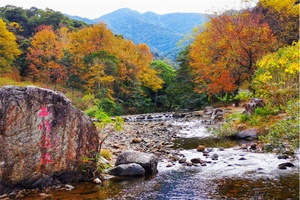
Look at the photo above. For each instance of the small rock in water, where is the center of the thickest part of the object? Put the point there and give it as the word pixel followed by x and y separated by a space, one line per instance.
pixel 169 165
pixel 195 160
pixel 253 146
pixel 97 181
pixel 282 157
pixel 205 154
pixel 285 165
pixel 201 148
pixel 221 149
pixel 182 160
pixel 281 166
pixel 244 146
pixel 215 156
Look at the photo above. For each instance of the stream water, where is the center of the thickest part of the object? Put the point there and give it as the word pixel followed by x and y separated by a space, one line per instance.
pixel 236 174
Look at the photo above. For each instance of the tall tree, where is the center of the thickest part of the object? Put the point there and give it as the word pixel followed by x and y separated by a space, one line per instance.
pixel 277 76
pixel 283 18
pixel 224 54
pixel 9 49
pixel 44 57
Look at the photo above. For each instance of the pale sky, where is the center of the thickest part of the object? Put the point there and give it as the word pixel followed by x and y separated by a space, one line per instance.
pixel 95 8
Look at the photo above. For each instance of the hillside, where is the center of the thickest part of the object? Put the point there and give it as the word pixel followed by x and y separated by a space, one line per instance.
pixel 160 32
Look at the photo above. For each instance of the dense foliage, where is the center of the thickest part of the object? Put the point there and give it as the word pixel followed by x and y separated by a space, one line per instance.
pixel 235 56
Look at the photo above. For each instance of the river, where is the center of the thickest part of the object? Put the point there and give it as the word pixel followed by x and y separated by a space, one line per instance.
pixel 235 174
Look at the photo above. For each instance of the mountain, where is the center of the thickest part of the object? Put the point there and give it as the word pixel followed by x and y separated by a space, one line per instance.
pixel 160 32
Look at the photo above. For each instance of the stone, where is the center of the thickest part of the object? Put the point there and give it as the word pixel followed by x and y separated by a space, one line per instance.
pixel 147 160
pixel 254 103
pixel 284 165
pixel 182 160
pixel 131 169
pixel 136 140
pixel 283 156
pixel 215 156
pixel 201 148
pixel 195 160
pixel 97 181
pixel 43 138
pixel 169 165
pixel 248 134
pixel 253 146
pixel 206 154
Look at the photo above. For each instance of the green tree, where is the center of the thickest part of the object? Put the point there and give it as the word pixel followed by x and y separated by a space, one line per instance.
pixel 164 96
pixel 183 88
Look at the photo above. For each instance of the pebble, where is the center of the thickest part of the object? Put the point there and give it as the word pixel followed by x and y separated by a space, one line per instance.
pixel 97 181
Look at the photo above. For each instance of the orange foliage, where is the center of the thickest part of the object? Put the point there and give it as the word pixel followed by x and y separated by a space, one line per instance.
pixel 44 57
pixel 225 52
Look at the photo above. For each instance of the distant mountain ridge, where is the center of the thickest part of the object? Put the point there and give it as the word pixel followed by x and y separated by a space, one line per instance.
pixel 160 32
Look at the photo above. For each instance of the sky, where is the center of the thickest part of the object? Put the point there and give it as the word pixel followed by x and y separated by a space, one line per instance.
pixel 95 8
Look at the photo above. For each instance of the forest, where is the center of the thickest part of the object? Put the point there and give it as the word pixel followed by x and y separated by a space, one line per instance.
pixel 235 56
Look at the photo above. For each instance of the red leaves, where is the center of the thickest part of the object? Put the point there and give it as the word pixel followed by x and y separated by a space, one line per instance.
pixel 224 54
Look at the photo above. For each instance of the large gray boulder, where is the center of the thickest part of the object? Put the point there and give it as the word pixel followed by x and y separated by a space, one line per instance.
pixel 131 169
pixel 147 160
pixel 43 139
pixel 248 134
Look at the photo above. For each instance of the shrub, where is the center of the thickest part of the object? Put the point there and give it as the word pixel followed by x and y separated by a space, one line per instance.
pixel 284 134
pixel 105 153
pixel 243 95
pixel 226 130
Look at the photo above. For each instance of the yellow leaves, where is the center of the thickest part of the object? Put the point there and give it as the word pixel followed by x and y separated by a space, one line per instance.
pixel 9 50
pixel 293 68
pixel 279 69
pixel 279 5
pixel 16 26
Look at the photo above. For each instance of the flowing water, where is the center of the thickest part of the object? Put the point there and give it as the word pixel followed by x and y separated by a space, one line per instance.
pixel 236 174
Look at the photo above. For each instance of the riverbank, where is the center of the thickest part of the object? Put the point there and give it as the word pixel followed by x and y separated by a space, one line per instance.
pixel 155 133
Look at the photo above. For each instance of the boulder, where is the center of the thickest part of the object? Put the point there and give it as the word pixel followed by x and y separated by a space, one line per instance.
pixel 248 134
pixel 43 139
pixel 147 160
pixel 131 169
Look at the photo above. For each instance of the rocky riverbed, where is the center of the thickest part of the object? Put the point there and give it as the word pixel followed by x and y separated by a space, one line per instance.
pixel 155 133
pixel 164 137
pixel 193 163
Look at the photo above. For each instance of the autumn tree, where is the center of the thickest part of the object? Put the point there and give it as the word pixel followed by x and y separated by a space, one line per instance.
pixel 100 73
pixel 224 54
pixel 277 76
pixel 44 57
pixel 9 50
pixel 283 18
pixel 108 63
pixel 84 49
